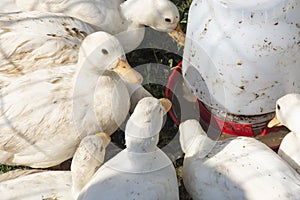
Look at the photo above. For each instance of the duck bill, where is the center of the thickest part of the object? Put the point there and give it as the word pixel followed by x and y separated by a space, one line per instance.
pixel 178 35
pixel 274 122
pixel 166 103
pixel 124 70
pixel 105 138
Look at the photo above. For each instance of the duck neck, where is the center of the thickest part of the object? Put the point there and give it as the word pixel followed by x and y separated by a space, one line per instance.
pixel 86 161
pixel 87 75
pixel 192 147
pixel 293 122
pixel 132 37
pixel 136 19
pixel 79 180
pixel 199 146
pixel 133 11
pixel 141 145
pixel 296 134
pixel 85 84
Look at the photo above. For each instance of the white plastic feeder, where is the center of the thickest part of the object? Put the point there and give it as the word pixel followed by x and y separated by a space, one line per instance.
pixel 241 56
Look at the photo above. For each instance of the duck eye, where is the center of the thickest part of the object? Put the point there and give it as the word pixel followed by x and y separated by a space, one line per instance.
pixel 104 51
pixel 278 107
pixel 168 20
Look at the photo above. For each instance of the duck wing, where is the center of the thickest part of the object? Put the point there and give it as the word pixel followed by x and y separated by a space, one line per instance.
pixel 36 40
pixel 100 14
pixel 35 115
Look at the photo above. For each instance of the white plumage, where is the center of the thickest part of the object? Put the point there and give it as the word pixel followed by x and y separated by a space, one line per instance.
pixel 38 184
pixel 236 168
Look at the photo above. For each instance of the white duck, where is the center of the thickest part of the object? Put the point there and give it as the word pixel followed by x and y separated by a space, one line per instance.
pixel 142 170
pixel 287 114
pixel 45 114
pixel 236 168
pixel 39 184
pixel 125 18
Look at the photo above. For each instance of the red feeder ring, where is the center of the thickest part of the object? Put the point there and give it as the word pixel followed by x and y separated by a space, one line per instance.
pixel 226 127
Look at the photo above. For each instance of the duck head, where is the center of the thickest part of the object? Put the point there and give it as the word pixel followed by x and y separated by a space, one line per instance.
pixel 287 112
pixel 101 52
pixel 143 126
pixel 161 15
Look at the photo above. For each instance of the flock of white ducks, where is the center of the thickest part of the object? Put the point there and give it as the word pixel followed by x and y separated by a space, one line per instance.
pixel 37 39
pixel 39 49
pixel 54 70
pixel 141 171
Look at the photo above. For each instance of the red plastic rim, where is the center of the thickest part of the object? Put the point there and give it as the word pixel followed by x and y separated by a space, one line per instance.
pixel 226 127
pixel 172 79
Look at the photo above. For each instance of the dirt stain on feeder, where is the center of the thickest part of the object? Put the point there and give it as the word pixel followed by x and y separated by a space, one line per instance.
pixel 203 33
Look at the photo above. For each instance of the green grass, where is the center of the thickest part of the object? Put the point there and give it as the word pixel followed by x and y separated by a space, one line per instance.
pixel 7 168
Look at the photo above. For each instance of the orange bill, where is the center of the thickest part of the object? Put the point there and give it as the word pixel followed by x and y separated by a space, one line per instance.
pixel 274 122
pixel 127 72
pixel 105 138
pixel 166 103
pixel 178 35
